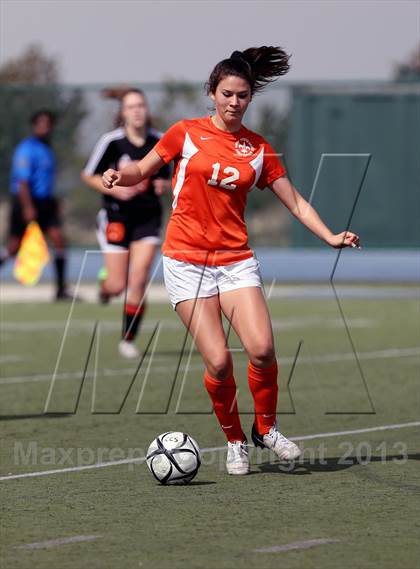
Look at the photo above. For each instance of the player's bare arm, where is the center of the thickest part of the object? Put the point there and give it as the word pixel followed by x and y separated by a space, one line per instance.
pixel 94 181
pixel 119 192
pixel 307 215
pixel 133 173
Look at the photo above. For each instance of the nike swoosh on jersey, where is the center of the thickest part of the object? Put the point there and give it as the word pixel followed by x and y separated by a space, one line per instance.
pixel 205 137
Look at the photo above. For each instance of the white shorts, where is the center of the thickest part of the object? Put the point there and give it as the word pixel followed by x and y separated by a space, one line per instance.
pixel 186 281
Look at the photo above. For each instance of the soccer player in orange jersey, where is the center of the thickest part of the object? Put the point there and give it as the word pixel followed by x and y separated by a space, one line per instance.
pixel 209 268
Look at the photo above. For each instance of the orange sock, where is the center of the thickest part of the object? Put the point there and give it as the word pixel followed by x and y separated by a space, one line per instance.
pixel 223 395
pixel 264 389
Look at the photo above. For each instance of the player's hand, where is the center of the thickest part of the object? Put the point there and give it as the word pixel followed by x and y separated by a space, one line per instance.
pixel 345 239
pixel 124 193
pixel 110 178
pixel 29 213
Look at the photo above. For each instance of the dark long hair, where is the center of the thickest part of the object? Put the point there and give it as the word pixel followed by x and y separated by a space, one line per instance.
pixel 119 93
pixel 257 65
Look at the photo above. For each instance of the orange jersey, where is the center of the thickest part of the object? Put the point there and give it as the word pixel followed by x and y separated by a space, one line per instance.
pixel 214 171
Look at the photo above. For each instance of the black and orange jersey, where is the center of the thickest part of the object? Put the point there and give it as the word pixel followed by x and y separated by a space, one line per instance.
pixel 115 150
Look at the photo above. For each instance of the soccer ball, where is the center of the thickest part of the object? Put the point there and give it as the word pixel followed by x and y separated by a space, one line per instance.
pixel 173 458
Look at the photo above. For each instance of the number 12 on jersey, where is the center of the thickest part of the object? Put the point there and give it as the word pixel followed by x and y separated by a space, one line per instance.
pixel 225 183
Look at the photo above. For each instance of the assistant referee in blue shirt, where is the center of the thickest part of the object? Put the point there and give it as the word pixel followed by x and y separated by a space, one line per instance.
pixel 32 188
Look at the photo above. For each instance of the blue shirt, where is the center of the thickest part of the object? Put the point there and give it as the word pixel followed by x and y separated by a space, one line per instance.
pixel 33 162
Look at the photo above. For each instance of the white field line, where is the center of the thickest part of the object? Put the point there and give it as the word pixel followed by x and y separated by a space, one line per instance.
pixel 357 431
pixel 296 545
pixel 56 542
pixel 14 293
pixel 138 460
pixel 205 450
pixel 80 324
pixel 349 356
pixel 315 359
pixel 112 325
pixel 12 358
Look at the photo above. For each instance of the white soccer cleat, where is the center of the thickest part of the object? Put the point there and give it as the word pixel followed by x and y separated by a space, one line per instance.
pixel 237 461
pixel 128 350
pixel 278 443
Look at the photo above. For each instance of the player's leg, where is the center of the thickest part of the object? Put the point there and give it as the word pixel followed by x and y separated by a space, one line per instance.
pixel 143 235
pixel 111 233
pixel 116 270
pixel 17 228
pixel 49 219
pixel 247 311
pixel 11 248
pixel 141 255
pixel 202 318
pixel 56 236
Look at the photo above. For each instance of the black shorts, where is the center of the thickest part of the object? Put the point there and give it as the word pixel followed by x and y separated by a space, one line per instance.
pixel 47 215
pixel 116 230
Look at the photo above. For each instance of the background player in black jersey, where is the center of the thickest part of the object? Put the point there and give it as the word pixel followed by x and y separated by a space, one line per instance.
pixel 129 222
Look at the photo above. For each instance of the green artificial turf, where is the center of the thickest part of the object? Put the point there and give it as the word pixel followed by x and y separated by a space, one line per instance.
pixel 362 489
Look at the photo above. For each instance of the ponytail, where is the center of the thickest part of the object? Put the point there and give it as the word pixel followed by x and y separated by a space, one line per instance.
pixel 257 65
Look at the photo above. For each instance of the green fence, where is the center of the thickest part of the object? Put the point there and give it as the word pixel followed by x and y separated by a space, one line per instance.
pixel 338 131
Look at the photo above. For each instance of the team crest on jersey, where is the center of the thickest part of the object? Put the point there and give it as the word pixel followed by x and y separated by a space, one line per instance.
pixel 243 147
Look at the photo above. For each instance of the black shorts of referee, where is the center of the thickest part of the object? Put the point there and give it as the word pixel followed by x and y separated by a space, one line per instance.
pixel 47 215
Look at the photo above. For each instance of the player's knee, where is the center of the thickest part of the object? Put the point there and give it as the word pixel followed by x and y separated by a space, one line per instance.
pixel 219 366
pixel 262 355
pixel 115 286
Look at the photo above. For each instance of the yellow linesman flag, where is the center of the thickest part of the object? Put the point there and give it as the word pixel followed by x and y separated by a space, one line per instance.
pixel 32 256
